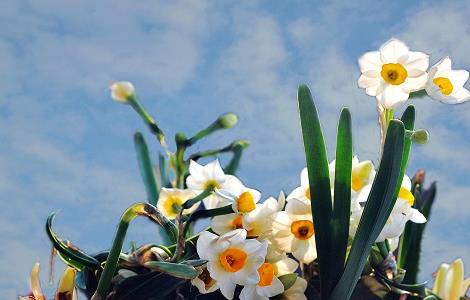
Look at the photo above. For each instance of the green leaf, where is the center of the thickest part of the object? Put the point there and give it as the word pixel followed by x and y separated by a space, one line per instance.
pixel 163 171
pixel 376 212
pixel 207 213
pixel 195 262
pixel 416 289
pixel 288 280
pixel 342 195
pixel 320 190
pixel 183 271
pixel 70 254
pixel 146 168
pixel 408 119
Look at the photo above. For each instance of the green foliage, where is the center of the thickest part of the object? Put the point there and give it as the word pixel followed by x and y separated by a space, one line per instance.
pixel 146 168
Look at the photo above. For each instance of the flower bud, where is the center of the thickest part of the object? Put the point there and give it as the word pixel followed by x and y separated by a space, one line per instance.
pixel 122 91
pixel 227 120
pixel 420 136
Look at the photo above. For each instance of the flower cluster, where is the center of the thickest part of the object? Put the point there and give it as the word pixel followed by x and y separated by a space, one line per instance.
pixel 393 72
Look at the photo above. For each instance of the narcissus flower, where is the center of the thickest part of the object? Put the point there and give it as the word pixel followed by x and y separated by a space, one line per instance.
pixel 449 283
pixel 445 84
pixel 212 175
pixel 391 73
pixel 402 212
pixel 268 285
pixel 204 282
pixel 122 91
pixel 293 231
pixel 232 259
pixel 170 202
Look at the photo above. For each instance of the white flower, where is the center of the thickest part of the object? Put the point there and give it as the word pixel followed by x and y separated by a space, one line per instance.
pixel 449 283
pixel 293 231
pixel 232 259
pixel 296 291
pixel 122 91
pixel 445 84
pixel 402 212
pixel 391 73
pixel 212 174
pixel 170 202
pixel 256 222
pixel 268 285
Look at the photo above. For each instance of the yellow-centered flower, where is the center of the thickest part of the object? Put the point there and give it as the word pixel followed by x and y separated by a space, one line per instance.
pixel 170 202
pixel 391 73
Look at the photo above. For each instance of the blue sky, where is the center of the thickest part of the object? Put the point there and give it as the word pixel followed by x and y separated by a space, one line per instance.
pixel 64 145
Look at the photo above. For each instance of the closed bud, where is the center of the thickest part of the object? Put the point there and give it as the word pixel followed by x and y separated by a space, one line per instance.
pixel 420 136
pixel 122 91
pixel 227 120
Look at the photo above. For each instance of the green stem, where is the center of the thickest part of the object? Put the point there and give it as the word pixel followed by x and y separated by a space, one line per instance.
pixel 388 118
pixel 383 249
pixel 188 204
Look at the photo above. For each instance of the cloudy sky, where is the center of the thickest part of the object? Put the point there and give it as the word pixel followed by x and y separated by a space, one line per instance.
pixel 65 146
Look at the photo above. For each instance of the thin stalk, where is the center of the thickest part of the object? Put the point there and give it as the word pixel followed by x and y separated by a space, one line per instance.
pixel 198 198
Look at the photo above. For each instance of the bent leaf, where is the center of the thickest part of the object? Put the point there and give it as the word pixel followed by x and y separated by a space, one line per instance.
pixel 70 254
pixel 184 271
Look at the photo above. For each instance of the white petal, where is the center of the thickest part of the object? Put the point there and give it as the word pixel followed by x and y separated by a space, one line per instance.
pixel 214 171
pixel 364 193
pixel 223 224
pixel 298 193
pixel 304 250
pixel 227 287
pixel 461 95
pixel 406 183
pixel 417 60
pixel 286 265
pixel 376 89
pixel 205 245
pixel 248 292
pixel 458 78
pixel 392 50
pixel 367 82
pixel 417 216
pixel 236 236
pixel 370 61
pixel 444 64
pixel 214 201
pixel 304 178
pixel 196 171
pixel 392 96
pixel 297 207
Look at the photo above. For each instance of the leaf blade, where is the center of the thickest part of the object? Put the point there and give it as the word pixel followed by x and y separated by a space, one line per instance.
pixel 146 168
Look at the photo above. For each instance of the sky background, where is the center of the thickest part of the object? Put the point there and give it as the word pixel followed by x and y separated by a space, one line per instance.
pixel 66 146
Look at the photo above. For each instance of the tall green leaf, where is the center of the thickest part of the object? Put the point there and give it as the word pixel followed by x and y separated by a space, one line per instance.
pixel 376 212
pixel 319 181
pixel 408 119
pixel 146 168
pixel 342 195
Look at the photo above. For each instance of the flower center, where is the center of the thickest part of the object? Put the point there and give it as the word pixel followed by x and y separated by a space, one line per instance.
pixel 266 274
pixel 302 229
pixel 444 84
pixel 237 223
pixel 232 259
pixel 406 195
pixel 212 183
pixel 245 202
pixel 394 74
pixel 172 206
pixel 307 193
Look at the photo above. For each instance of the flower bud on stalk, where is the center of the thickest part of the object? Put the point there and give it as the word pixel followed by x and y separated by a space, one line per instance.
pixel 124 92
pixel 420 136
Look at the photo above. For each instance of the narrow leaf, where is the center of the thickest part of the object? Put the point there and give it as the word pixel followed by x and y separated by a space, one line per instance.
pixel 183 271
pixel 146 168
pixel 376 212
pixel 342 195
pixel 70 254
pixel 320 190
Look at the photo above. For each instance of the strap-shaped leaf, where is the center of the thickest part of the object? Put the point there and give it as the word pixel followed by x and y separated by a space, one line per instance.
pixel 184 271
pixel 320 190
pixel 71 255
pixel 342 195
pixel 408 119
pixel 146 168
pixel 376 212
